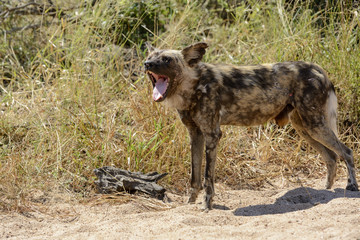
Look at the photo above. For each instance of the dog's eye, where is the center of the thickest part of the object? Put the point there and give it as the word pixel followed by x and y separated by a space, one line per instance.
pixel 166 59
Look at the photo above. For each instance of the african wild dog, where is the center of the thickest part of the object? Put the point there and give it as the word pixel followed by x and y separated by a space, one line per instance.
pixel 207 96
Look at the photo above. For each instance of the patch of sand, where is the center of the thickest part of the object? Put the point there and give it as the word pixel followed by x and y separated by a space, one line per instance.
pixel 309 212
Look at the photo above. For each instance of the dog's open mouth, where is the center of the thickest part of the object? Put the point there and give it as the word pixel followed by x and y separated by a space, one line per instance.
pixel 160 84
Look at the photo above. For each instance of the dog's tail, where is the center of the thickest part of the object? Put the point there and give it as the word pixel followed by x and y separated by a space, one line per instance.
pixel 331 110
pixel 331 102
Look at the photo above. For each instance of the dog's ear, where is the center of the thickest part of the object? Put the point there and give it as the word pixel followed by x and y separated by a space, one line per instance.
pixel 194 53
pixel 150 47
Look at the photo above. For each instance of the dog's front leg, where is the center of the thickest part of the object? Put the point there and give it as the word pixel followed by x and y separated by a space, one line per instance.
pixel 197 149
pixel 212 140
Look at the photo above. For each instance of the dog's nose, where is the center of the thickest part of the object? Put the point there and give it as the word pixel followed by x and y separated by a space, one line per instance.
pixel 148 65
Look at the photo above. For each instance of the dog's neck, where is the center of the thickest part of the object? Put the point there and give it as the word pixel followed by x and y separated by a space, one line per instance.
pixel 182 98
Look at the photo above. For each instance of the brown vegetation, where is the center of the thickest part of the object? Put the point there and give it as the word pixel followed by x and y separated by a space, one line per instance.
pixel 74 97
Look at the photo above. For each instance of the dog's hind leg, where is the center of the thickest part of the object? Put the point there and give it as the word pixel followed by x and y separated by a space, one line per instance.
pixel 328 156
pixel 329 139
pixel 317 127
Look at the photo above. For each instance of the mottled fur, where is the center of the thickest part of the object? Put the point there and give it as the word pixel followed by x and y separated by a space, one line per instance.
pixel 207 96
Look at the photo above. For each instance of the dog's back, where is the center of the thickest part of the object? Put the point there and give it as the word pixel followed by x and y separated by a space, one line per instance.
pixel 252 95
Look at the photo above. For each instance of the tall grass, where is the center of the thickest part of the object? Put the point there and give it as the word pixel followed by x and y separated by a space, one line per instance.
pixel 74 96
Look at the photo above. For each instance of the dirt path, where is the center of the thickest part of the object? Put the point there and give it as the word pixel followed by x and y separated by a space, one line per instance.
pixel 294 212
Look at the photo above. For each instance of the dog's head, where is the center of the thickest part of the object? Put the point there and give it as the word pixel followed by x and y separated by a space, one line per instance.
pixel 167 68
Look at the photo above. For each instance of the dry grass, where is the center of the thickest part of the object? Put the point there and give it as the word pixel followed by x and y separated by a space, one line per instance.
pixel 72 101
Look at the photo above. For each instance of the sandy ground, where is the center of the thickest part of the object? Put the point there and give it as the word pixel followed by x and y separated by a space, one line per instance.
pixel 296 212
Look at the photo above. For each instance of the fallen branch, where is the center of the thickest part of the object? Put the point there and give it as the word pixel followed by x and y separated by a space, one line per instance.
pixel 16 29
pixel 38 9
pixel 2 14
pixel 113 179
pixel 34 9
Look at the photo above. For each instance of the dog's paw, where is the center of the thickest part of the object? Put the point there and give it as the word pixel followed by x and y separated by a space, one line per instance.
pixel 207 204
pixel 193 195
pixel 192 199
pixel 352 187
pixel 329 184
pixel 205 207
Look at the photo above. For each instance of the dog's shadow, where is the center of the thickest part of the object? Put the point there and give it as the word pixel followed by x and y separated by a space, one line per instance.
pixel 295 200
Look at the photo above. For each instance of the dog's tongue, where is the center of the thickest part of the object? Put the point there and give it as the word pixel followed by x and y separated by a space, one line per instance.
pixel 159 89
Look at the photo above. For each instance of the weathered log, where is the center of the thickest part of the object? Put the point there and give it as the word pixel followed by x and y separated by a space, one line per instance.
pixel 111 179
